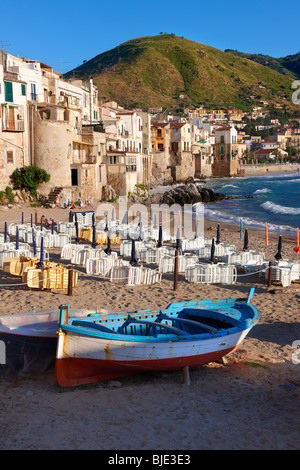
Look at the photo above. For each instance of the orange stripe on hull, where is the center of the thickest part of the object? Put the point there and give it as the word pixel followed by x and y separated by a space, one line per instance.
pixel 78 371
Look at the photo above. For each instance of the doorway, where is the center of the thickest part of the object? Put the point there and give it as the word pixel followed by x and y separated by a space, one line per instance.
pixel 74 177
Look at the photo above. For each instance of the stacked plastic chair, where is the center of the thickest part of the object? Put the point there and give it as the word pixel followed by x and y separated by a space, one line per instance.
pixel 241 258
pixel 284 272
pixel 51 276
pixel 134 276
pixel 211 274
pixel 167 262
pixel 102 266
pixel 68 250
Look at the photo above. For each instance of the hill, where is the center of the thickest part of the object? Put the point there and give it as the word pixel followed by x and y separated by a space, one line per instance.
pixel 289 65
pixel 174 72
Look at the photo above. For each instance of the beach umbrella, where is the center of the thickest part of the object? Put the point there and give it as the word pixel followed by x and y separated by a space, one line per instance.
pixel 17 238
pixel 266 235
pixel 5 232
pixel 178 242
pixel 160 237
pixel 41 223
pixel 218 235
pixel 133 260
pixel 34 243
pixel 94 237
pixel 197 227
pixel 106 224
pixel 31 220
pixel 297 249
pixel 76 228
pixel 278 254
pixel 70 216
pixel 93 219
pixel 108 249
pixel 52 227
pixel 212 251
pixel 40 264
pixel 140 219
pixel 141 235
pixel 241 229
pixel 113 215
pixel 246 241
pixel 22 218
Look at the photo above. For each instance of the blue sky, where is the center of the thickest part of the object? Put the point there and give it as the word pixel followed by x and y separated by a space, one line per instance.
pixel 63 34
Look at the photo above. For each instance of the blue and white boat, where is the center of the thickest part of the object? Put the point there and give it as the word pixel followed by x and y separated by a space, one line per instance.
pixel 101 347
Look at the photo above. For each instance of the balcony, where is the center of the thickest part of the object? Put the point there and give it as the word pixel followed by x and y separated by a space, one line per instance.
pixel 13 125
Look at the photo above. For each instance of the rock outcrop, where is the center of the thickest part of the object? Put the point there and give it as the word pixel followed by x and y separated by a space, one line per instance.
pixel 190 194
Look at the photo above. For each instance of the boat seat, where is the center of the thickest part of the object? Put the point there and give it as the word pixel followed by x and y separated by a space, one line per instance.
pixel 211 329
pixel 171 329
pixel 96 326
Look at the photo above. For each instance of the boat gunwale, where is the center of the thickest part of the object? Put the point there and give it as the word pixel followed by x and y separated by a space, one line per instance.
pixel 110 336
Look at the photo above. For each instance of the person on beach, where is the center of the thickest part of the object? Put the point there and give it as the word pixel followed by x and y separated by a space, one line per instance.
pixel 46 222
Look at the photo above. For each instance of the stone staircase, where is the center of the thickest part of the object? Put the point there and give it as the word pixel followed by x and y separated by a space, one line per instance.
pixel 52 195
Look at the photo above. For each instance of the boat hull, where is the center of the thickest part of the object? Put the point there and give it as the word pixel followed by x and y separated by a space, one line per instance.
pixel 83 359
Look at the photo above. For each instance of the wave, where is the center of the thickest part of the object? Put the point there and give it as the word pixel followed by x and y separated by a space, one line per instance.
pixel 262 191
pixel 229 186
pixel 247 221
pixel 277 209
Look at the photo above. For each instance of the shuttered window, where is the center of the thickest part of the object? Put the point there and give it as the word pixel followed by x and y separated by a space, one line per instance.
pixel 8 91
pixel 23 91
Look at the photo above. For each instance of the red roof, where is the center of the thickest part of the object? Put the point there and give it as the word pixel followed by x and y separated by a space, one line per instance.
pixel 263 151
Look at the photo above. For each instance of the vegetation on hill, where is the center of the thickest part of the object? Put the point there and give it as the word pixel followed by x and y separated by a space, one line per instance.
pixel 289 65
pixel 173 72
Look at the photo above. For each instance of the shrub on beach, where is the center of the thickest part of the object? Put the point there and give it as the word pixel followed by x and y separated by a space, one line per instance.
pixel 29 177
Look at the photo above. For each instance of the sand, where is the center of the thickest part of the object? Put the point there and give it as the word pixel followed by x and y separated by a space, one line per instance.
pixel 251 402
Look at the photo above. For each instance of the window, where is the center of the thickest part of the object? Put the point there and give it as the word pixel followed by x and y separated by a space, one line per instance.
pixel 222 139
pixel 23 89
pixel 9 156
pixel 33 91
pixel 222 149
pixel 158 132
pixel 8 91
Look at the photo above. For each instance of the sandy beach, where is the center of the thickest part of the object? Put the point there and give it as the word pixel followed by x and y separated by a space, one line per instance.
pixel 251 402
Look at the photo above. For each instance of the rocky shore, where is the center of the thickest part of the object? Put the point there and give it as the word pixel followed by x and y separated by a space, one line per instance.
pixel 190 194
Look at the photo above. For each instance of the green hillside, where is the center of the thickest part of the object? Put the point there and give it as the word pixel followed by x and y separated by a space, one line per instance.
pixel 289 65
pixel 174 72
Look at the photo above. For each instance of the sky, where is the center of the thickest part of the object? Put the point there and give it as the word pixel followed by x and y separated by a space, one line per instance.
pixel 63 34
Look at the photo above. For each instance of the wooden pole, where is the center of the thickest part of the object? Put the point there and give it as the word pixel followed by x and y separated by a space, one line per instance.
pixel 186 376
pixel 176 269
pixel 35 218
pixel 270 274
pixel 70 280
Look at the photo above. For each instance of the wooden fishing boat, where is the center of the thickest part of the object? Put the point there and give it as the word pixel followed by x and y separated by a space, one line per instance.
pixel 100 347
pixel 29 340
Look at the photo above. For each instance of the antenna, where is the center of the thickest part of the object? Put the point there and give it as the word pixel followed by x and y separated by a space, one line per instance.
pixel 61 66
pixel 3 44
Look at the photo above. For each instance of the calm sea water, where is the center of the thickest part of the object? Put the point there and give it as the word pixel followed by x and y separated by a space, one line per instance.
pixel 276 201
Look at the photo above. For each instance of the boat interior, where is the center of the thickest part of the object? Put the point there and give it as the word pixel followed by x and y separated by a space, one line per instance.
pixel 187 321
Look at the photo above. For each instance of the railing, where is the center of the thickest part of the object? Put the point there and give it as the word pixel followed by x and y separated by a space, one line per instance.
pixel 13 125
pixel 34 97
pixel 130 167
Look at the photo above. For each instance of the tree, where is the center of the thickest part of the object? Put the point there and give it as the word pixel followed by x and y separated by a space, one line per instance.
pixel 29 177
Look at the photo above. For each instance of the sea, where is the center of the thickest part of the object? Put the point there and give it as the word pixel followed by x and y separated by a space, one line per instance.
pixel 275 200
